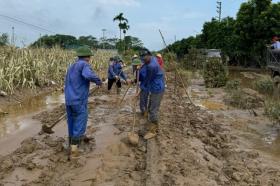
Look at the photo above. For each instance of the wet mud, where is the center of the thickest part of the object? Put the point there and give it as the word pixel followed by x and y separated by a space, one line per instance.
pixel 202 144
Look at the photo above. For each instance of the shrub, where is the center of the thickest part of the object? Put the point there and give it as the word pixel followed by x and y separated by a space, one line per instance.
pixel 215 73
pixel 194 59
pixel 264 86
pixel 233 85
pixel 272 110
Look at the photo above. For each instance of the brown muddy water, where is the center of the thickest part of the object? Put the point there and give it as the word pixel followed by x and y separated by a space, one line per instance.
pixel 18 123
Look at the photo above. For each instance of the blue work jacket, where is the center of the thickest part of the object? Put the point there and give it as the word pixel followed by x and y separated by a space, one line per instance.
pixel 151 77
pixel 77 81
pixel 115 69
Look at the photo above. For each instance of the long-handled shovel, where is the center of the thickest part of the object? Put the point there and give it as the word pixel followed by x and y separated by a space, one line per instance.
pixel 133 138
pixel 48 128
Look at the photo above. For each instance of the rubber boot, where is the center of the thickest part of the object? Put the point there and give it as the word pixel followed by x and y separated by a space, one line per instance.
pixel 118 90
pixel 152 132
pixel 74 151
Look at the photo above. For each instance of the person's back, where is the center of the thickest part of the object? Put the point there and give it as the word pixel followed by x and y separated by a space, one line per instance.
pixel 77 82
pixel 156 79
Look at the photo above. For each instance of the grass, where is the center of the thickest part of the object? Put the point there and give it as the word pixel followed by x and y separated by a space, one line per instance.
pixel 233 85
pixel 264 86
pixel 238 98
pixel 272 109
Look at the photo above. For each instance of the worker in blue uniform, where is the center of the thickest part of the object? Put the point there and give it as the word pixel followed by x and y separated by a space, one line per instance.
pixel 116 74
pixel 152 86
pixel 77 83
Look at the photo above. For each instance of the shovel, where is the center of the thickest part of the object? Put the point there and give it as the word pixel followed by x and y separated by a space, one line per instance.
pixel 133 138
pixel 48 128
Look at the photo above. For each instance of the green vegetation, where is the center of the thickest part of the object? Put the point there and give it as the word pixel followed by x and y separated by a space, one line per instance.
pixel 123 27
pixel 39 67
pixel 4 39
pixel 194 59
pixel 264 86
pixel 272 110
pixel 214 73
pixel 242 39
pixel 71 42
pixel 232 85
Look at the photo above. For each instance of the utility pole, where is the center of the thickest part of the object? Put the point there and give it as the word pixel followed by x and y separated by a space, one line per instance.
pixel 13 36
pixel 219 10
pixel 103 31
pixel 40 39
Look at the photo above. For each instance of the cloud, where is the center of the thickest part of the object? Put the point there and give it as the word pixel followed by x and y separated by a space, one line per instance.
pixel 182 16
pixel 119 2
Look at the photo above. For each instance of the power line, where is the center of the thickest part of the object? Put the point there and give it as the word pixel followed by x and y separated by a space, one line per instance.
pixel 14 20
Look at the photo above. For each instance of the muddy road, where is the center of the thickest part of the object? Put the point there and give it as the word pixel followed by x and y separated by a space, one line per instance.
pixel 203 144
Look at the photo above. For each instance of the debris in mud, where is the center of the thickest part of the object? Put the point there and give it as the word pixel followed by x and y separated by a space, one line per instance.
pixel 3 94
pixel 2 112
pixel 49 117
pixel 28 146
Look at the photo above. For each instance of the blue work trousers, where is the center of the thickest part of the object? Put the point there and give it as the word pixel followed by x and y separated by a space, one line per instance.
pixel 144 96
pixel 77 116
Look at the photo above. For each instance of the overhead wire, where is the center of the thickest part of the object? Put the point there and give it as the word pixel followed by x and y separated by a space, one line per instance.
pixel 35 27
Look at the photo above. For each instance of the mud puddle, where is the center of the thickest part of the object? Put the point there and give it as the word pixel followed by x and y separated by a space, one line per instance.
pixel 107 160
pixel 18 124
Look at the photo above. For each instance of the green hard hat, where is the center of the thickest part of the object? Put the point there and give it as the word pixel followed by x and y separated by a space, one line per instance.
pixel 117 58
pixel 84 51
pixel 136 62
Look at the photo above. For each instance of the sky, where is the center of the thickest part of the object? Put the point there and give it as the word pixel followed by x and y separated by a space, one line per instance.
pixel 176 18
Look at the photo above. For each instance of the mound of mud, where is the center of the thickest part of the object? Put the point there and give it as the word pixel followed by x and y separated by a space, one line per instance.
pixel 50 116
pixel 245 99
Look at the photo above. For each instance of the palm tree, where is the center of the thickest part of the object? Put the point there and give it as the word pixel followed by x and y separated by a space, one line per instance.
pixel 121 20
pixel 124 27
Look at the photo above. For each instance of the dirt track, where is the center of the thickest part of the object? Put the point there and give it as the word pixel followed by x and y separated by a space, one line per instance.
pixel 193 148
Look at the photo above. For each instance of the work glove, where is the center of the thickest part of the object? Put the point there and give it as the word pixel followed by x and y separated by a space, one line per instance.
pixel 117 77
pixel 128 81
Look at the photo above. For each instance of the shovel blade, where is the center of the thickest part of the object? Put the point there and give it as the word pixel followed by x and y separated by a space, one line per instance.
pixel 47 129
pixel 133 138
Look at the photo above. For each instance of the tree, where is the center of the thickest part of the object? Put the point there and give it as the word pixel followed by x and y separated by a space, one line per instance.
pixel 133 43
pixel 123 24
pixel 257 21
pixel 220 35
pixel 4 39
pixel 243 39
pixel 88 40
pixel 121 20
pixel 63 41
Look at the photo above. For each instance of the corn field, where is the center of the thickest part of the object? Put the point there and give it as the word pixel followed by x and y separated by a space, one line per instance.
pixel 32 68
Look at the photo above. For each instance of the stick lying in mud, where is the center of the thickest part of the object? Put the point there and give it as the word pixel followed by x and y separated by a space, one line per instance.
pixel 48 128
